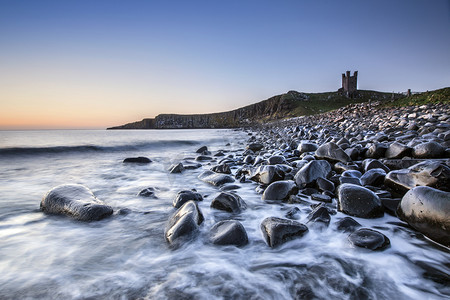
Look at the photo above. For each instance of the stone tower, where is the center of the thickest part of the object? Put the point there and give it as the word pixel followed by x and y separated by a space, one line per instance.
pixel 349 83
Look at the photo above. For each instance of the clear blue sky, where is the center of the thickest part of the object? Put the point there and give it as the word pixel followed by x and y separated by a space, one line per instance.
pixel 102 63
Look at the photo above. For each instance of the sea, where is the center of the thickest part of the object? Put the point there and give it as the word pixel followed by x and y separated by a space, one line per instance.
pixel 126 256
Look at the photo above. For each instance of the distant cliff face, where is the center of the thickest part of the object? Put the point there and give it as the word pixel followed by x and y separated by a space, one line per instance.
pixel 272 108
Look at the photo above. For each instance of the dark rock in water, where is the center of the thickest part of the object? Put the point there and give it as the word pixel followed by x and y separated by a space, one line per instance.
pixel 307 147
pixel 293 213
pixel 280 190
pixel 427 210
pixel 230 187
pixel 138 160
pixel 184 223
pixel 369 164
pixel 75 201
pixel 255 146
pixel 228 232
pixel 332 152
pixel 177 168
pixel 249 159
pixel 341 167
pixel 148 193
pixel 191 166
pixel 276 159
pixel 353 153
pixel 320 215
pixel 390 205
pixel 228 202
pixel 203 158
pixel 369 239
pixel 428 150
pixel 214 178
pixel 202 149
pixel 347 224
pixel 359 201
pixel 309 173
pixel 397 150
pixel 428 173
pixel 277 231
pixel 184 196
pixel 268 174
pixel 376 150
pixel 324 184
pixel 308 191
pixel 373 177
pixel 223 168
pixel 322 198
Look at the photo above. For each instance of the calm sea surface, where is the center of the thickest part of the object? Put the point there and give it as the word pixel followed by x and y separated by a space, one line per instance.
pixel 126 256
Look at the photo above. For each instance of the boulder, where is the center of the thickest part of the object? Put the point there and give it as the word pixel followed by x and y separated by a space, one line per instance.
pixel 184 196
pixel 229 202
pixel 276 159
pixel 214 178
pixel 138 160
pixel 305 146
pixel 397 150
pixel 277 231
pixel 202 149
pixel 428 150
pixel 428 211
pixel 320 215
pixel 371 163
pixel 331 151
pixel 280 190
pixel 376 150
pixel 369 239
pixel 228 232
pixel 373 177
pixel 325 185
pixel 267 174
pixel 148 193
pixel 321 198
pixel 222 168
pixel 347 224
pixel 293 213
pixel 359 201
pixel 309 173
pixel 255 146
pixel 75 201
pixel 176 168
pixel 184 223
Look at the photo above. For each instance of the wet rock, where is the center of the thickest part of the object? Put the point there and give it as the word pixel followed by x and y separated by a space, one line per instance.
pixel 276 159
pixel 359 201
pixel 373 177
pixel 255 147
pixel 184 196
pixel 397 150
pixel 138 160
pixel 369 239
pixel 332 152
pixel 184 223
pixel 390 205
pixel 428 173
pixel 321 197
pixel 305 146
pixel 428 150
pixel 376 150
pixel 267 174
pixel 369 164
pixel 319 215
pixel 75 201
pixel 228 202
pixel 148 193
pixel 342 167
pixel 353 153
pixel 350 176
pixel 347 224
pixel 277 231
pixel 222 168
pixel 249 159
pixel 280 190
pixel 214 178
pixel 309 173
pixel 230 187
pixel 324 184
pixel 176 168
pixel 203 158
pixel 202 149
pixel 228 232
pixel 293 213
pixel 427 210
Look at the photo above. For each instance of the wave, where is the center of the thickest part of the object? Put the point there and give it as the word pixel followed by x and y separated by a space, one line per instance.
pixel 13 151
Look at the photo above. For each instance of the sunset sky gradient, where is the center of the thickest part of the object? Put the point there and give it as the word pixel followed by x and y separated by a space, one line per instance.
pixel 95 64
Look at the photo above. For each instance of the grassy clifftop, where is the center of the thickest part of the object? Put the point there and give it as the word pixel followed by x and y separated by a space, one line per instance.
pixel 441 96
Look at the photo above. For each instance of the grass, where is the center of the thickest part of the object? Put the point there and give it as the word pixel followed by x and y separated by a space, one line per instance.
pixel 441 96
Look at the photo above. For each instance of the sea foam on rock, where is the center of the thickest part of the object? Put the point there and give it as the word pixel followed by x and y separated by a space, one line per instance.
pixel 76 201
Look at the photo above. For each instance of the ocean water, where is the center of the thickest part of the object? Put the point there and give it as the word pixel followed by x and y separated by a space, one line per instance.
pixel 126 257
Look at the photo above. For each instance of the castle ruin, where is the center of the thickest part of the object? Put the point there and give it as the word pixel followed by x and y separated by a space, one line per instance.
pixel 349 83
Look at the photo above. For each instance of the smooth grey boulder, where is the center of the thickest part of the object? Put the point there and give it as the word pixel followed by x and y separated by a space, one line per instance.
pixel 148 193
pixel 371 163
pixel 319 215
pixel 222 168
pixel 228 232
pixel 397 150
pixel 347 224
pixel 176 168
pixel 138 160
pixel 277 231
pixel 267 174
pixel 376 150
pixel 203 158
pixel 184 196
pixel 309 173
pixel 428 211
pixel 229 202
pixel 75 201
pixel 280 190
pixel 428 150
pixel 325 185
pixel 276 159
pixel 369 239
pixel 202 149
pixel 255 147
pixel 373 177
pixel 183 223
pixel 305 146
pixel 214 178
pixel 332 152
pixel 359 201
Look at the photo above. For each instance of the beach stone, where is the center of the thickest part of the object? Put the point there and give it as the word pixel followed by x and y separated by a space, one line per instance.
pixel 342 167
pixel 370 163
pixel 203 158
pixel 184 196
pixel 373 177
pixel 376 150
pixel 325 185
pixel 331 151
pixel 428 150
pixel 138 160
pixel 228 232
pixel 321 197
pixel 359 201
pixel 176 168
pixel 267 174
pixel 214 178
pixel 276 159
pixel 249 159
pixel 280 190
pixel 148 193
pixel 255 147
pixel 390 205
pixel 369 239
pixel 202 149
pixel 319 215
pixel 305 146
pixel 428 173
pixel 184 223
pixel 350 176
pixel 309 173
pixel 293 213
pixel 427 210
pixel 353 153
pixel 229 202
pixel 277 231
pixel 397 150
pixel 347 224
pixel 222 168
pixel 75 201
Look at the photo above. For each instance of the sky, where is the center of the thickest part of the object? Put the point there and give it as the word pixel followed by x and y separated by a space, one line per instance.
pixel 96 64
